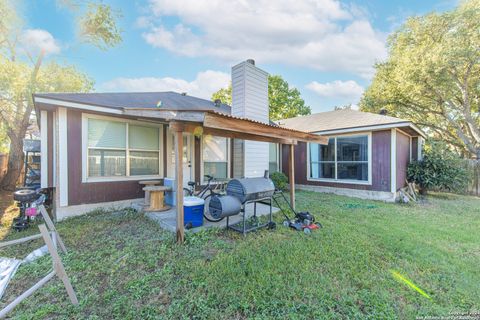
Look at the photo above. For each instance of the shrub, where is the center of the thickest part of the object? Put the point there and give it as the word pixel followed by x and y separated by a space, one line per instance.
pixel 280 180
pixel 439 170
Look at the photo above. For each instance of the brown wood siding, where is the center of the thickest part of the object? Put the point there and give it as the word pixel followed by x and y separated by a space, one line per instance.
pixel 50 133
pixel 414 148
pixel 231 157
pixel 196 156
pixel 284 154
pixel 165 171
pixel 92 192
pixel 380 165
pixel 381 160
pixel 403 158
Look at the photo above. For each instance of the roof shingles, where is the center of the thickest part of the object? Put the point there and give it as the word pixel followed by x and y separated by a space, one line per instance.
pixel 338 119
pixel 169 100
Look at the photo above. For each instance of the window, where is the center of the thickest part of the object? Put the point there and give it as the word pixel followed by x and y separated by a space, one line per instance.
pixel 122 149
pixel 143 150
pixel 273 157
pixel 344 158
pixel 322 160
pixel 215 156
pixel 106 148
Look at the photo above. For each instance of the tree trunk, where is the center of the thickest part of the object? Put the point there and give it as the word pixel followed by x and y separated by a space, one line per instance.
pixel 15 164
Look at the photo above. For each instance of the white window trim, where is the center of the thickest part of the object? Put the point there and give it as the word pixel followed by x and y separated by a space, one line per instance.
pixel 420 143
pixel 54 148
pixel 229 156
pixel 410 149
pixel 86 179
pixel 62 157
pixel 334 180
pixel 393 160
pixel 44 149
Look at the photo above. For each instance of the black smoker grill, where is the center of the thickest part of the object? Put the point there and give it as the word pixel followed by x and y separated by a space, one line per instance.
pixel 240 192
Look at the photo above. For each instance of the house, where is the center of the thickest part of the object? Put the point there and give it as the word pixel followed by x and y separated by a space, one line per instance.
pixel 367 154
pixel 96 147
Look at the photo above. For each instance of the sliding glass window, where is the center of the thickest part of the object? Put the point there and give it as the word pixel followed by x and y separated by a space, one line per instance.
pixel 344 158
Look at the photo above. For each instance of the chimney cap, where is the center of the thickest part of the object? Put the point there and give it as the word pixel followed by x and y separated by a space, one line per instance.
pixel 251 61
pixel 183 93
pixel 217 102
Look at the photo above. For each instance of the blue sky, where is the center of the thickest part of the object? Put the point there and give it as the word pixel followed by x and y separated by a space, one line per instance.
pixel 324 48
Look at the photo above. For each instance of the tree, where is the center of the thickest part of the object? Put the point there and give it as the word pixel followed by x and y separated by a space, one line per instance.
pixel 25 70
pixel 224 95
pixel 284 101
pixel 432 76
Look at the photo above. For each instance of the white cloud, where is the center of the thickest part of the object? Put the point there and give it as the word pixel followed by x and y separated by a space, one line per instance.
pixel 321 34
pixel 349 91
pixel 36 40
pixel 205 83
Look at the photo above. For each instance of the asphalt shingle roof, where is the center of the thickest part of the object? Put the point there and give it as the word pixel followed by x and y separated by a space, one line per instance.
pixel 338 119
pixel 169 100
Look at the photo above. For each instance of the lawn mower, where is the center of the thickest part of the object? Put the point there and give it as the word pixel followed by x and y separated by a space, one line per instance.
pixel 302 221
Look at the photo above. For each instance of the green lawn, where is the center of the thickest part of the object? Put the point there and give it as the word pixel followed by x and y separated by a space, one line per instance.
pixel 123 266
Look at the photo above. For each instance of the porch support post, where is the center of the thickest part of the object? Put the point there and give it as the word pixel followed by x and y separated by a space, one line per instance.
pixel 178 132
pixel 291 174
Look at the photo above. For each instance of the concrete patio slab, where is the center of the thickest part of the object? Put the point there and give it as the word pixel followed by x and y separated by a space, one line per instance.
pixel 167 219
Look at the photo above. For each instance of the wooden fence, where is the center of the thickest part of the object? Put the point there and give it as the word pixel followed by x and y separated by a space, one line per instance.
pixel 473 169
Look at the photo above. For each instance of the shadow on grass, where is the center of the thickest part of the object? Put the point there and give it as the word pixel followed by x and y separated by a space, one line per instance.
pixel 8 211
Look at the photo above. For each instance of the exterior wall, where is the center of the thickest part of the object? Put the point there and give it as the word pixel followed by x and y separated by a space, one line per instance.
pixel 47 142
pixel 414 148
pixel 91 192
pixel 238 158
pixel 50 118
pixel 381 153
pixel 355 193
pixel 81 195
pixel 380 165
pixel 197 160
pixel 403 158
pixel 76 210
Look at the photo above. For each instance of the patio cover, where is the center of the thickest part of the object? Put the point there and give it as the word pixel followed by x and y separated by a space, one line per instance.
pixel 224 125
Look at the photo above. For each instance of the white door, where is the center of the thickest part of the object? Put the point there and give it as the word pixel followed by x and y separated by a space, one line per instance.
pixel 187 157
